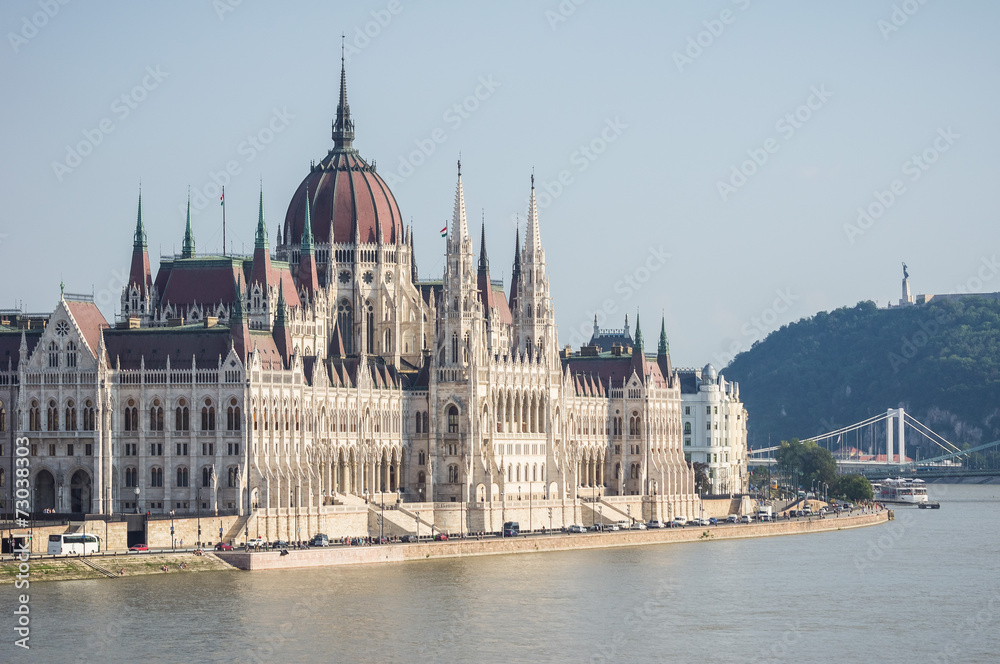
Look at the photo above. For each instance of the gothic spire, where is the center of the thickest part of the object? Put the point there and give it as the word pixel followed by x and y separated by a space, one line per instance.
pixel 638 334
pixel 664 346
pixel 533 239
pixel 484 261
pixel 343 126
pixel 187 249
pixel 459 225
pixel 261 227
pixel 140 230
pixel 307 234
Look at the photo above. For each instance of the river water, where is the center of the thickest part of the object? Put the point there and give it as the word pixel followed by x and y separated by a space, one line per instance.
pixel 925 588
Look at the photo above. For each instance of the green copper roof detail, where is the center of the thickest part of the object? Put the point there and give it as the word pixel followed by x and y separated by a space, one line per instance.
pixel 307 232
pixel 140 230
pixel 187 249
pixel 638 333
pixel 261 227
pixel 664 346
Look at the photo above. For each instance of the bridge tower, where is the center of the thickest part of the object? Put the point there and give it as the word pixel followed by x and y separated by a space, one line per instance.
pixel 891 414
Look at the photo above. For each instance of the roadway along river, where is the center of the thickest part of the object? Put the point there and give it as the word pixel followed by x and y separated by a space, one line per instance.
pixel 925 588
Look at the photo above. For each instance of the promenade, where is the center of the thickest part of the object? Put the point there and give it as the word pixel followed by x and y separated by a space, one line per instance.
pixel 458 548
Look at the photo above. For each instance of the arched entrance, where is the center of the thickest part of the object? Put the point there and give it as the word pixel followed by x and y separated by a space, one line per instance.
pixel 79 493
pixel 45 491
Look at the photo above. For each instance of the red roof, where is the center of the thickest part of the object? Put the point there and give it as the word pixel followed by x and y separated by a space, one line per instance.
pixel 90 320
pixel 344 191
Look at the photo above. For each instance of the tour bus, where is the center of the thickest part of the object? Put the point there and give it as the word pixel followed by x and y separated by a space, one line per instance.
pixel 74 543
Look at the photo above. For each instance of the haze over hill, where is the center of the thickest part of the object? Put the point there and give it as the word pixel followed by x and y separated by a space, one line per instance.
pixel 939 361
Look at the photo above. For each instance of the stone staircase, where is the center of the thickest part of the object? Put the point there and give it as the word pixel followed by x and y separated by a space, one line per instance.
pixel 395 522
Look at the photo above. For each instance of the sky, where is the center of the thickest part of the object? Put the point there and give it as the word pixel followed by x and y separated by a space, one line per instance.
pixel 731 166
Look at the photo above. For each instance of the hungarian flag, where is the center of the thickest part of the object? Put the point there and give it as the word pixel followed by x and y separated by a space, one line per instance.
pixel 444 232
pixel 222 198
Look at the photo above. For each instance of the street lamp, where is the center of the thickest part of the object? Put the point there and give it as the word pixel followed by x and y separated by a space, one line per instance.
pixel 381 520
pixel 137 511
pixel 418 526
pixel 198 498
pixel 600 515
pixel 628 511
pixel 173 542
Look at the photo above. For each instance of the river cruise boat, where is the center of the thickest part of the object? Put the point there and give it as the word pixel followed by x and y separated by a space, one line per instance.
pixel 904 491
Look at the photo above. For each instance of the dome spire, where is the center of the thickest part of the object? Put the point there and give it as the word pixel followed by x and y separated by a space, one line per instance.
pixel 343 126
pixel 187 249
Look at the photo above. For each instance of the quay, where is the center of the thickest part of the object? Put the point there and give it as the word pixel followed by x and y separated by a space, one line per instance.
pixel 459 548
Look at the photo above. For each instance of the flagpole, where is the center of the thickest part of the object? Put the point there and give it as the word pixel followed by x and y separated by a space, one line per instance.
pixel 223 220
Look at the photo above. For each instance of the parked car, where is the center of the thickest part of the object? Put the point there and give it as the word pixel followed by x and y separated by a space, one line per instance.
pixel 279 544
pixel 441 537
pixel 511 529
pixel 712 521
pixel 655 523
pixel 596 528
pixel 138 548
pixel 320 540
pixel 256 541
pixel 701 522
pixel 222 546
pixel 576 529
pixel 732 518
pixel 746 518
pixel 679 521
pixel 638 525
pixel 612 527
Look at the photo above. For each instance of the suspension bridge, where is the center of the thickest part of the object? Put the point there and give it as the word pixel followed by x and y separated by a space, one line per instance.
pixel 878 446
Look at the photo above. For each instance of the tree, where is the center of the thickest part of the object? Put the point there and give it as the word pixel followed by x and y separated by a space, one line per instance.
pixel 812 463
pixel 701 482
pixel 853 487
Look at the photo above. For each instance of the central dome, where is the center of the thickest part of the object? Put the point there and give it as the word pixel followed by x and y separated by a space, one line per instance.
pixel 345 194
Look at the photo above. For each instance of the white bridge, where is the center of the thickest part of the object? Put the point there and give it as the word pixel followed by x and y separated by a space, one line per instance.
pixel 880 442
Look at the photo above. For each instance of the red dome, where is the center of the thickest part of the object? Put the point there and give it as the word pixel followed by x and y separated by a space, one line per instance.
pixel 344 192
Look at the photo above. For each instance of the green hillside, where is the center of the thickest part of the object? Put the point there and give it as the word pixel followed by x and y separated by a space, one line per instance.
pixel 940 361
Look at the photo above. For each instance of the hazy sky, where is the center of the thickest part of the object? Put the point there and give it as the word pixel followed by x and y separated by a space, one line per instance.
pixel 647 113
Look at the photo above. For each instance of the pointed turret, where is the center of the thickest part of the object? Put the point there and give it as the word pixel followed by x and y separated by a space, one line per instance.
pixel 308 277
pixel 663 352
pixel 139 274
pixel 638 337
pixel 262 253
pixel 515 274
pixel 638 364
pixel 343 126
pixel 239 330
pixel 282 333
pixel 187 249
pixel 413 256
pixel 483 277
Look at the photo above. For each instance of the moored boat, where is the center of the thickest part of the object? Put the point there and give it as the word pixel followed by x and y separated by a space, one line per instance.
pixel 901 490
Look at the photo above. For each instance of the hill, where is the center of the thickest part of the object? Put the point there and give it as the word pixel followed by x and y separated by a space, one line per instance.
pixel 939 361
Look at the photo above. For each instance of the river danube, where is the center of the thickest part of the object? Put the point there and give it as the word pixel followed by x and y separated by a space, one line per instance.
pixel 925 588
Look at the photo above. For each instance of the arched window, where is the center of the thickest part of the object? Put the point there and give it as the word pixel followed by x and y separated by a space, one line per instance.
pixel 687 428
pixel 232 477
pixel 422 458
pixel 131 477
pixel 388 341
pixel 34 417
pixel 156 477
pixel 454 347
pixel 465 348
pixel 70 421
pixel 70 354
pixel 52 417
pixel 208 416
pixel 345 325
pixel 53 355
pixel 206 476
pixel 182 477
pixel 156 416
pixel 88 416
pixel 517 472
pixel 233 416
pixel 427 422
pixel 419 420
pixel 370 327
pixel 3 417
pixel 618 471
pixel 182 417
pixel 452 419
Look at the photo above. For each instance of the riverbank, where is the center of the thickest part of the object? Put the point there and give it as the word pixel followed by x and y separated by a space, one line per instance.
pixel 111 566
pixel 362 555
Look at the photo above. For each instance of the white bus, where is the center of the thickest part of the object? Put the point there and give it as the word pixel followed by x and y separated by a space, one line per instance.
pixel 75 543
